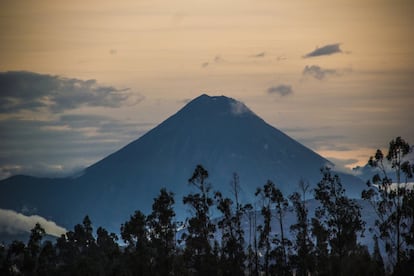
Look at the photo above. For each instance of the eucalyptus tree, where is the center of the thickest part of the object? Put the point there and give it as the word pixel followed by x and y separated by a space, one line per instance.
pixel 393 201
pixel 338 217
pixel 198 254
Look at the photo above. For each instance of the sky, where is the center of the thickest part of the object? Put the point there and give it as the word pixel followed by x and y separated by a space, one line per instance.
pixel 81 79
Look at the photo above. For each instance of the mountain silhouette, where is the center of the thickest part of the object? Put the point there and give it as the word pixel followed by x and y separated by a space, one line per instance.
pixel 220 133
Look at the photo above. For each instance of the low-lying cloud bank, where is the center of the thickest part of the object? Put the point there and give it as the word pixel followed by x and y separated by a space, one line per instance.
pixel 12 222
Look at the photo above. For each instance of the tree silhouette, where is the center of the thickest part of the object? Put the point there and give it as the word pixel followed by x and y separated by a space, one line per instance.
pixel 339 218
pixel 265 229
pixel 280 251
pixel 137 253
pixel 392 201
pixel 33 247
pixel 198 253
pixel 108 251
pixel 151 248
pixel 303 259
pixel 273 199
pixel 162 233
pixel 232 239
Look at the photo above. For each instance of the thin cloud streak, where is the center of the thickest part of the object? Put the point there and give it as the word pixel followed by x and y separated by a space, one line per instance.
pixel 318 72
pixel 282 90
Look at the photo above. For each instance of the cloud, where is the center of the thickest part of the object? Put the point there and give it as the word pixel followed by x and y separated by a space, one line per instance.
pixel 217 59
pixel 259 55
pixel 317 72
pixel 82 120
pixel 12 222
pixel 326 141
pixel 325 50
pixel 32 91
pixel 320 73
pixel 239 108
pixel 282 90
pixel 185 101
pixel 343 165
pixel 59 147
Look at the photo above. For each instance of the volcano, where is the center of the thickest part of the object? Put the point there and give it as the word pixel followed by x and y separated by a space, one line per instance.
pixel 220 133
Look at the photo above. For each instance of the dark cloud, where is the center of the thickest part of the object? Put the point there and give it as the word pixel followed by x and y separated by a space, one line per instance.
pixel 317 72
pixel 282 90
pixel 204 65
pixel 325 50
pixel 260 55
pixel 113 51
pixel 33 91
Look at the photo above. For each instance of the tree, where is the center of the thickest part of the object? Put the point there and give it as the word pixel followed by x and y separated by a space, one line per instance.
pixel 162 231
pixel 339 217
pixel 77 251
pixel 377 258
pixel 303 259
pixel 14 263
pixel 3 260
pixel 36 236
pixel 34 247
pixel 198 253
pixel 108 251
pixel 391 200
pixel 252 248
pixel 273 199
pixel 232 239
pixel 321 252
pixel 265 229
pixel 137 253
pixel 280 251
pixel 47 260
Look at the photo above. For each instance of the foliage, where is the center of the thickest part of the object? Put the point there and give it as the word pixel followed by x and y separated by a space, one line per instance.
pixel 393 202
pixel 198 253
pixel 303 244
pixel 137 253
pixel 162 231
pixel 274 247
pixel 338 220
pixel 232 239
pixel 325 244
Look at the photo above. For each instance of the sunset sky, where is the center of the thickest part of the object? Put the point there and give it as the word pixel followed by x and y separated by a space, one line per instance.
pixel 80 79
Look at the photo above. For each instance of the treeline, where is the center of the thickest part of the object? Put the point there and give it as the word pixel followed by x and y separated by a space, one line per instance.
pixel 325 243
